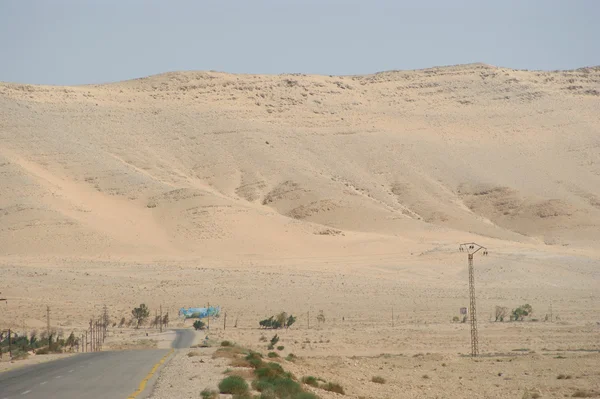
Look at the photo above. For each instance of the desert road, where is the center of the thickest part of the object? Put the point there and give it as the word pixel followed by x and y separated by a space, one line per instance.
pixel 90 375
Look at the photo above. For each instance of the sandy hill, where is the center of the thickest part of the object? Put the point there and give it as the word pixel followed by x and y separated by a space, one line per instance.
pixel 213 163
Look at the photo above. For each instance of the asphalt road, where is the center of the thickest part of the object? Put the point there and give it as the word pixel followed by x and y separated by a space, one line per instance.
pixel 88 375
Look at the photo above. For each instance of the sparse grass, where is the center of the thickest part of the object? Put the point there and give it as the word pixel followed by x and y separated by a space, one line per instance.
pixel 425 377
pixel 234 385
pixel 209 394
pixel 226 343
pixel 272 354
pixel 333 387
pixel 521 350
pixel 310 380
pixel 291 357
pixel 535 395
pixel 194 354
pixel 378 380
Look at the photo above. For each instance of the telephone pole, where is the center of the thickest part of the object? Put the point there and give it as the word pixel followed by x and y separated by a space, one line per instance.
pixel 48 320
pixel 471 249
pixel 104 322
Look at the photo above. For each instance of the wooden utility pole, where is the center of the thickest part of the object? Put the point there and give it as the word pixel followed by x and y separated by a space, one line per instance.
pixel 104 322
pixel 225 321
pixel 86 342
pixel 91 335
pixel 9 345
pixel 48 321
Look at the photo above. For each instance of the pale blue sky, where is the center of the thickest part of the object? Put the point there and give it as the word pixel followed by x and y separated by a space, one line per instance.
pixel 86 41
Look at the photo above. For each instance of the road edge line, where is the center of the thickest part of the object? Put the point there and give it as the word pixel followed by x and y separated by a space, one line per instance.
pixel 143 383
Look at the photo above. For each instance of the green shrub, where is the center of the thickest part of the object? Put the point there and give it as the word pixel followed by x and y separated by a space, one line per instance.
pixel 310 380
pixel 18 354
pixel 270 371
pixel 233 385
pixel 255 359
pixel 272 354
pixel 333 387
pixel 209 394
pixel 286 388
pixel 306 395
pixel 378 380
pixel 199 325
pixel 291 357
pixel 225 343
pixel 522 311
pixel 280 347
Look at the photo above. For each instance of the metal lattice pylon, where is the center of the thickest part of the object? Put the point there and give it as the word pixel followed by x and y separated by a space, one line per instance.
pixel 472 248
pixel 472 309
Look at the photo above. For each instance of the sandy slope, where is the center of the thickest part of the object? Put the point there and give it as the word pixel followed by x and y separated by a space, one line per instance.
pixel 342 194
pixel 192 162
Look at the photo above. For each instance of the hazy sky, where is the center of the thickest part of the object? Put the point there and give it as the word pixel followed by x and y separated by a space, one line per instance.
pixel 93 41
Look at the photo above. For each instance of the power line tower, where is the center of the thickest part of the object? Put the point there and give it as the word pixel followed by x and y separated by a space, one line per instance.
pixel 471 249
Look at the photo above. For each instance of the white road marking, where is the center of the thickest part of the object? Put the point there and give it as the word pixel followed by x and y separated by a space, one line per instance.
pixel 58 376
pixel 70 371
pixel 26 392
pixel 42 383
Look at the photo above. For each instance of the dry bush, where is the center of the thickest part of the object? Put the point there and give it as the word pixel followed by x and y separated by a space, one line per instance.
pixel 245 373
pixel 583 394
pixel 228 352
pixel 209 394
pixel 194 353
pixel 378 380
pixel 333 387
pixel 240 362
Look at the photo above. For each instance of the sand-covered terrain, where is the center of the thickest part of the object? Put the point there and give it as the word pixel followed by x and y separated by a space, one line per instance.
pixel 346 194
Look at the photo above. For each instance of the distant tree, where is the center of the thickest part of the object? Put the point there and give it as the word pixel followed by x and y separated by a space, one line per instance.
pixel 501 313
pixel 199 325
pixel 281 319
pixel 33 339
pixel 521 312
pixel 165 320
pixel 321 317
pixel 122 322
pixel 140 314
pixel 70 342
pixel 291 320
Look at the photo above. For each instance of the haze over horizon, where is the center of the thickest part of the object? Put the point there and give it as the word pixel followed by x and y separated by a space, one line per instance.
pixel 120 41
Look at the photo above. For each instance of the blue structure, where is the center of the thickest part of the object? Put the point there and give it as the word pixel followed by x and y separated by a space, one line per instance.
pixel 200 313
